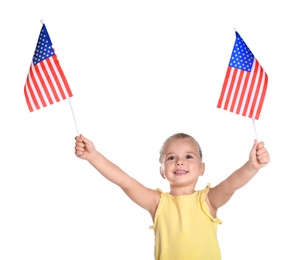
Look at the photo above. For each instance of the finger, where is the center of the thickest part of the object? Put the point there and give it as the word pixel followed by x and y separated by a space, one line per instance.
pixel 263 157
pixel 80 148
pixel 84 139
pixel 260 145
pixel 78 138
pixel 263 161
pixel 80 144
pixel 261 150
pixel 79 153
pixel 255 144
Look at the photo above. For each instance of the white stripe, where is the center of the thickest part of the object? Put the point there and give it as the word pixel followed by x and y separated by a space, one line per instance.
pixel 53 82
pixel 247 90
pixel 259 94
pixel 33 87
pixel 233 90
pixel 227 88
pixel 59 77
pixel 46 82
pixel 29 95
pixel 255 86
pixel 239 93
pixel 40 87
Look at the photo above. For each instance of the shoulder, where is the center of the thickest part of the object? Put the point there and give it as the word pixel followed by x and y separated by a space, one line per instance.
pixel 156 200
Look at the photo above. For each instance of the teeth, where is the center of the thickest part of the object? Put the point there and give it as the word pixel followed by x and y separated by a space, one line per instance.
pixel 180 172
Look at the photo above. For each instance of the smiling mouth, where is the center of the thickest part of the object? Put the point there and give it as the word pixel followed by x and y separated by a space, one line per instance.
pixel 180 172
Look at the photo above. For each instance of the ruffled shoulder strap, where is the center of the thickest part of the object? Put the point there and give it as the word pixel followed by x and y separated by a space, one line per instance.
pixel 202 200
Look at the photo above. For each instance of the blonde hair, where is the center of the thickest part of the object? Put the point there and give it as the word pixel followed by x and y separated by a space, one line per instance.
pixel 179 136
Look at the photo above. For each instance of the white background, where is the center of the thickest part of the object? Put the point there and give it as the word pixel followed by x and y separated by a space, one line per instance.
pixel 140 71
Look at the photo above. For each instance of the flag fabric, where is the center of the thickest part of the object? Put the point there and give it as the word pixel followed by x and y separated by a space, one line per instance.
pixel 245 83
pixel 46 83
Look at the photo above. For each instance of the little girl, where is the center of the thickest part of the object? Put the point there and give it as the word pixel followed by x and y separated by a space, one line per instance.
pixel 184 220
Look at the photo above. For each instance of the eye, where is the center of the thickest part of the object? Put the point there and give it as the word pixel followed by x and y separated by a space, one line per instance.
pixel 170 158
pixel 189 156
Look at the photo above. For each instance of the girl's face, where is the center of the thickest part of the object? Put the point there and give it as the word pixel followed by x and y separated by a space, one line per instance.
pixel 182 164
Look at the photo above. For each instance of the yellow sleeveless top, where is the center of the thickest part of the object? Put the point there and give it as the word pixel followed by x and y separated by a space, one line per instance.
pixel 184 228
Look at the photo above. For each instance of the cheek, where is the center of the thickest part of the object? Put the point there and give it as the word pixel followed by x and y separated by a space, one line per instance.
pixel 162 172
pixel 196 167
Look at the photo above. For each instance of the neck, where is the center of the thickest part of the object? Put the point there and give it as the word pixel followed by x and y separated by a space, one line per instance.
pixel 178 191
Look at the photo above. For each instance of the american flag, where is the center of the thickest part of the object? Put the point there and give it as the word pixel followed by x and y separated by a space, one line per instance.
pixel 245 83
pixel 46 83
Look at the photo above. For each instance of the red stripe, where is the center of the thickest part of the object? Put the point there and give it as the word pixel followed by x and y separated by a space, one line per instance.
pixel 55 77
pixel 28 88
pixel 42 82
pixel 35 87
pixel 262 97
pixel 248 98
pixel 258 87
pixel 49 82
pixel 239 80
pixel 244 88
pixel 27 98
pixel 233 79
pixel 62 75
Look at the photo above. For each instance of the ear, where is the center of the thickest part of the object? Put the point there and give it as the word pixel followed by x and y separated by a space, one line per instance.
pixel 202 169
pixel 162 172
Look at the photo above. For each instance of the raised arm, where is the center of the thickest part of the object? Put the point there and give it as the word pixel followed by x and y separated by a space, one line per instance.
pixel 141 195
pixel 220 194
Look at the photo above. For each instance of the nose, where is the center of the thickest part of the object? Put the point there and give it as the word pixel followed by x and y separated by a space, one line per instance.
pixel 179 163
